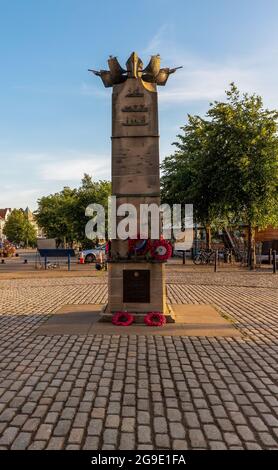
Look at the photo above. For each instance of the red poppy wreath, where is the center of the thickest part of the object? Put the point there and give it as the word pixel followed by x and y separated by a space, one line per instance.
pixel 138 246
pixel 155 319
pixel 122 319
pixel 161 250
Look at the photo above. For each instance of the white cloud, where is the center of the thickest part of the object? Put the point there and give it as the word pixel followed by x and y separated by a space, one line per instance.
pixel 32 175
pixel 155 43
pixel 16 196
pixel 63 169
pixel 204 80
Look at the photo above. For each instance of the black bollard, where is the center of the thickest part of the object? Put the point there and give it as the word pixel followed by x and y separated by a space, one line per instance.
pixel 183 257
pixel 3 261
pixel 274 261
pixel 215 261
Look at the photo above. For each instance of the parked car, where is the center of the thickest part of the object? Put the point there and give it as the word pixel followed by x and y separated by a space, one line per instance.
pixel 93 255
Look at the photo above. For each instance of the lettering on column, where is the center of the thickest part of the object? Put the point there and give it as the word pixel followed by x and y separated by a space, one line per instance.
pixel 135 108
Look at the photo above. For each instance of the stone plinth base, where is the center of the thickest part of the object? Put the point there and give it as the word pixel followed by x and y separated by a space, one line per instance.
pixel 137 287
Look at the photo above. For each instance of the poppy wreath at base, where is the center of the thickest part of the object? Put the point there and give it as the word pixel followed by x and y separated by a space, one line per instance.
pixel 122 319
pixel 161 250
pixel 155 319
pixel 138 246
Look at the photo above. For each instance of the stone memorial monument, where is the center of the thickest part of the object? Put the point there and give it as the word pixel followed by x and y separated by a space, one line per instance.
pixel 136 281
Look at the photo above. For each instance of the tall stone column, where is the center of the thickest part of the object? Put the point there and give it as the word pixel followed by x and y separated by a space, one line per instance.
pixel 135 284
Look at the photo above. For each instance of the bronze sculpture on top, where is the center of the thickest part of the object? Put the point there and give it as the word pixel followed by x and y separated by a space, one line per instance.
pixel 135 274
pixel 134 69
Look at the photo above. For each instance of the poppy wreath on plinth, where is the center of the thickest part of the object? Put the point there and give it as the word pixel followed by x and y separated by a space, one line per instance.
pixel 138 246
pixel 108 248
pixel 155 319
pixel 122 319
pixel 161 250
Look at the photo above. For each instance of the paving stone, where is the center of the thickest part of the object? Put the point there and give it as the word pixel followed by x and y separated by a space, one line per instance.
pixel 22 441
pixel 192 419
pixel 197 439
pixel 44 432
pixel 253 446
pixel 231 439
pixel 31 424
pixel 212 432
pixel 145 447
pixel 127 441
pixel 162 441
pixel 19 420
pixel 37 445
pixel 95 427
pixel 268 440
pixel 177 430
pixel 128 411
pixel 258 424
pixel 68 413
pixel 128 425
pixel 225 424
pixel 76 435
pixel 8 436
pixel 179 444
pixel 91 443
pixel 144 434
pixel 55 443
pixel 112 421
pixel 113 408
pixel 52 417
pixel 245 433
pixel 62 428
pixel 143 417
pixel 270 420
pixel 217 445
pixel 173 415
pixel 205 416
pixel 144 405
pixel 110 436
pixel 7 415
pixel 160 425
pixel 98 412
pixel 80 420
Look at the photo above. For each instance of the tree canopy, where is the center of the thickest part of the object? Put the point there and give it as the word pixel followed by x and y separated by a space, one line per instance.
pixel 226 164
pixel 62 215
pixel 19 230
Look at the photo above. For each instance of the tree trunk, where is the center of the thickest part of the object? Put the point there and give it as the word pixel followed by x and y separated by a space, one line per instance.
pixel 208 237
pixel 251 248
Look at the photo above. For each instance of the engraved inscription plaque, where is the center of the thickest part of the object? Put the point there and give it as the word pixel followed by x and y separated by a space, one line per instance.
pixel 136 285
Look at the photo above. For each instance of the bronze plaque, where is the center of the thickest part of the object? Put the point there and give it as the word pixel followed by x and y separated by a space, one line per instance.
pixel 136 285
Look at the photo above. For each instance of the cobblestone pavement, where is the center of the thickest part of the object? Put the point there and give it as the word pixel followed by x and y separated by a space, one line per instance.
pixel 119 392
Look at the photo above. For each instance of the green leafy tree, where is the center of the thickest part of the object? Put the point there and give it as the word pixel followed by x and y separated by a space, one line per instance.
pixel 89 192
pixel 62 215
pixel 228 164
pixel 19 230
pixel 54 215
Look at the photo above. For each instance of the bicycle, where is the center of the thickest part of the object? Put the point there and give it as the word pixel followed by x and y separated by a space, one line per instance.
pixel 204 257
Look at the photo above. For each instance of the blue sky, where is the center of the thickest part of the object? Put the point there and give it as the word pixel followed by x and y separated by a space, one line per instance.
pixel 55 116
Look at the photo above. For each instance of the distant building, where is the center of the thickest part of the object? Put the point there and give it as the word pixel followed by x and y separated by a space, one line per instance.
pixel 30 216
pixel 4 214
pixel 2 224
pixel 269 239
